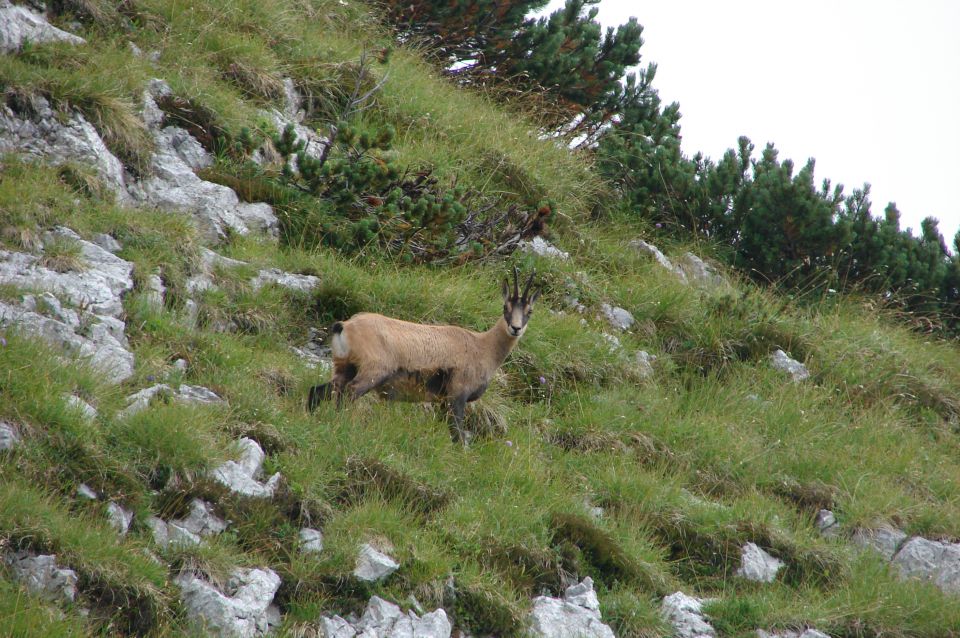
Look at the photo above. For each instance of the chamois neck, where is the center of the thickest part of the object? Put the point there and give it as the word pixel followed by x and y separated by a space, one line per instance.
pixel 499 342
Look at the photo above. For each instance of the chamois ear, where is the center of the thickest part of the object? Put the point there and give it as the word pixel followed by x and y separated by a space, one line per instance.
pixel 506 290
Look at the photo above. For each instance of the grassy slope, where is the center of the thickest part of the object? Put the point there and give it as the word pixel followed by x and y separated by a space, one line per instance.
pixel 713 451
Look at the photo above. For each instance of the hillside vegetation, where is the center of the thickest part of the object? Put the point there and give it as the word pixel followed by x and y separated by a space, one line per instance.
pixel 713 450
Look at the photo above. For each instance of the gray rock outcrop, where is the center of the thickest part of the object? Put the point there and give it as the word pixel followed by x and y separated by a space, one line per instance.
pixel 383 619
pixel 576 615
pixel 185 394
pixel 242 477
pixel 40 574
pixel 933 561
pixel 291 281
pixel 885 540
pixel 244 609
pixel 37 132
pixel 373 565
pixel 19 24
pixel 783 362
pixel 757 565
pixel 685 614
pixel 97 287
pixel 649 249
pixel 190 530
pixel 174 186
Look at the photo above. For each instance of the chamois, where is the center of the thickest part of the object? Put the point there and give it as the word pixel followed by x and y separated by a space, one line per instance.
pixel 416 362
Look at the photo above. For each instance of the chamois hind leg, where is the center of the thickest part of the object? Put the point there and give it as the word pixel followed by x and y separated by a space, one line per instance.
pixel 366 381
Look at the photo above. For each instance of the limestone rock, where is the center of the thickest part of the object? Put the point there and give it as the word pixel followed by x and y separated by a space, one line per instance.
pixel 88 412
pixel 291 281
pixel 698 271
pixel 644 361
pixel 99 287
pixel 241 476
pixel 384 619
pixel 9 436
pixel 826 523
pixel 173 186
pixel 619 318
pixel 119 518
pixel 99 345
pixel 243 610
pixel 649 249
pixel 806 633
pixel 577 615
pixel 40 574
pixel 190 530
pixel 933 561
pixel 780 360
pixel 311 541
pixel 757 565
pixel 885 539
pixel 373 565
pixel 19 24
pixel 540 246
pixel 38 132
pixel 685 614
pixel 87 492
pixel 186 394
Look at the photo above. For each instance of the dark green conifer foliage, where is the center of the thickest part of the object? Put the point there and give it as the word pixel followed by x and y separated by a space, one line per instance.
pixel 567 53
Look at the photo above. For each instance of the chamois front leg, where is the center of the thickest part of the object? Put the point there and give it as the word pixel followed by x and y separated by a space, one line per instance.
pixel 457 432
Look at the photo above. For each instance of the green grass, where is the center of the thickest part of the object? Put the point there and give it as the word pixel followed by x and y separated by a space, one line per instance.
pixel 714 450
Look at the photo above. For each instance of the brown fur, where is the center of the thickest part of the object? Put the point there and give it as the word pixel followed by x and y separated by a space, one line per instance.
pixel 417 362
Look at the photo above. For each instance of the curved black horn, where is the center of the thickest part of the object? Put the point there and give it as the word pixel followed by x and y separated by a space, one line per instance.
pixel 526 286
pixel 516 286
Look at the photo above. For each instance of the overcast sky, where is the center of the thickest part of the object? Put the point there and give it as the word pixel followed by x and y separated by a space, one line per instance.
pixel 871 89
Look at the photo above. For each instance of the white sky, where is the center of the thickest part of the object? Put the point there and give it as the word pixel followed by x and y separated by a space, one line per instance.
pixel 871 89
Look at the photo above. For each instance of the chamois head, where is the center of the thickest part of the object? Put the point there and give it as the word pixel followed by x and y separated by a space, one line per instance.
pixel 518 307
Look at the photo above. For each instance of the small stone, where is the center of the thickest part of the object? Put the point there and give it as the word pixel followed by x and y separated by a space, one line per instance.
pixel 686 615
pixel 826 523
pixel 9 436
pixel 119 518
pixel 644 361
pixel 780 360
pixel 180 364
pixel 241 476
pixel 757 565
pixel 40 574
pixel 540 246
pixel 699 271
pixel 85 491
pixel 311 541
pixel 373 565
pixel 88 412
pixel 582 595
pixel 619 318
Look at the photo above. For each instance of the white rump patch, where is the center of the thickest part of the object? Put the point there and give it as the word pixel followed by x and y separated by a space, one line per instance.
pixel 339 345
